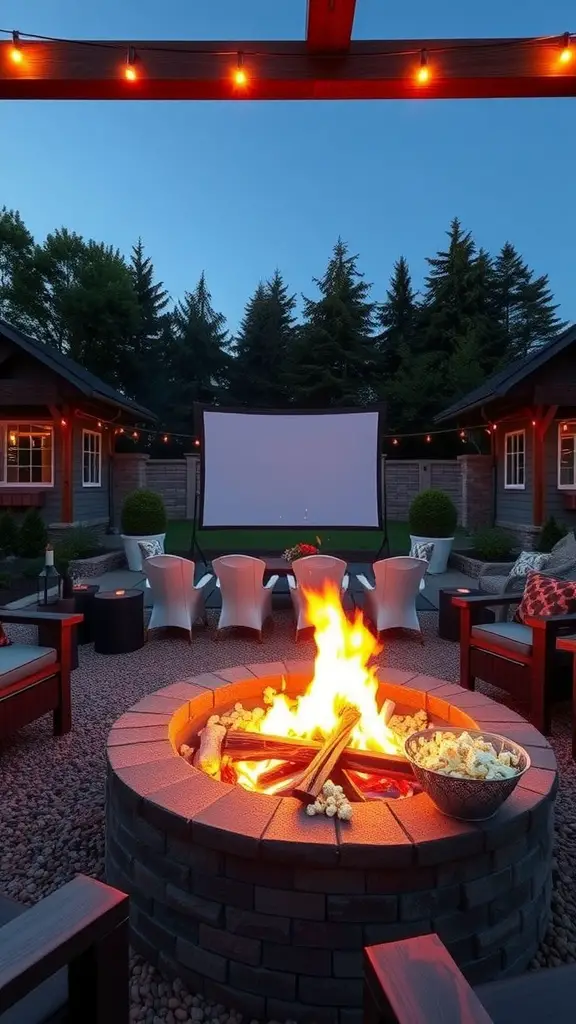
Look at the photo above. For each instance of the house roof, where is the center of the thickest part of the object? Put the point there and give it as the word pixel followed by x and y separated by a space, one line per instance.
pixel 87 383
pixel 499 384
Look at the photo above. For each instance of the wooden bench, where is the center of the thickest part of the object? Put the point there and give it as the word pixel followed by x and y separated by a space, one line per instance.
pixel 81 930
pixel 30 691
pixel 416 981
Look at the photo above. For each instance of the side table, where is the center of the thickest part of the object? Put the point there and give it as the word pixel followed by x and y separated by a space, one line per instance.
pixel 449 616
pixel 84 594
pixel 48 633
pixel 118 621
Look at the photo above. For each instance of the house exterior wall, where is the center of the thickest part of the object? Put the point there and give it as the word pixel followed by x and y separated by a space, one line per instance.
pixel 514 506
pixel 90 505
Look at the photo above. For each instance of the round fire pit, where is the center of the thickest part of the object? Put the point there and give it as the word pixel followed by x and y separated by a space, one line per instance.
pixel 263 908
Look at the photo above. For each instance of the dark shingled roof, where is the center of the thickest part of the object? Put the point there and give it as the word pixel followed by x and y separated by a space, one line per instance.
pixel 499 384
pixel 87 383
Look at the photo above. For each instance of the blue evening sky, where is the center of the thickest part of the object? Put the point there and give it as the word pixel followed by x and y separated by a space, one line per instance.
pixel 237 189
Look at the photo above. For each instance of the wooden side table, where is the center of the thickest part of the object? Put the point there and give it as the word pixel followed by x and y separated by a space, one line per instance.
pixel 449 615
pixel 118 621
pixel 84 594
pixel 49 632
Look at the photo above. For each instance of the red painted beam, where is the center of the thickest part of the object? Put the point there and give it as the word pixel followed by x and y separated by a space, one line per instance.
pixel 329 25
pixel 465 69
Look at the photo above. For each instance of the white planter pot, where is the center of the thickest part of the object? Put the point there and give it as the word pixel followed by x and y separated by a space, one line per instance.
pixel 440 554
pixel 132 551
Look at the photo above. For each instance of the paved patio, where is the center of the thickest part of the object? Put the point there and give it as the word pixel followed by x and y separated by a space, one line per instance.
pixel 53 790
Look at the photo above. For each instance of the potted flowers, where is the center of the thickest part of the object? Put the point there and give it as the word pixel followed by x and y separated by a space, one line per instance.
pixel 432 520
pixel 143 522
pixel 302 550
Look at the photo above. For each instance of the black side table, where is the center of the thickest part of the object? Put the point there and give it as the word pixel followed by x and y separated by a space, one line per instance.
pixel 118 621
pixel 84 594
pixel 449 615
pixel 48 633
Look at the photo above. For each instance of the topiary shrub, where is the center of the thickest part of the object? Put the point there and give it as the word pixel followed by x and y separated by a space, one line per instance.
pixel 493 545
pixel 432 514
pixel 550 534
pixel 33 536
pixel 8 534
pixel 143 514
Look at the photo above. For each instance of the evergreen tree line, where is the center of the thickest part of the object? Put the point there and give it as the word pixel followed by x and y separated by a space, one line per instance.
pixel 417 351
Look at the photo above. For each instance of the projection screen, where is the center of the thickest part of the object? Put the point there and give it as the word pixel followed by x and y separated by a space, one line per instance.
pixel 275 469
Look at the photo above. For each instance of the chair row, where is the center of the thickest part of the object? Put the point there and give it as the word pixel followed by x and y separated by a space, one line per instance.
pixel 390 602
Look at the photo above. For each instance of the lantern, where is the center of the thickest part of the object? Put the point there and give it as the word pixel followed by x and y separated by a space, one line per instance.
pixel 50 582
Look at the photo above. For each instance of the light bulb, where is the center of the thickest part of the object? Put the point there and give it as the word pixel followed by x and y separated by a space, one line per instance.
pixel 16 55
pixel 423 73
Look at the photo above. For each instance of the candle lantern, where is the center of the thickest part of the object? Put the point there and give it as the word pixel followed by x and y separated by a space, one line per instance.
pixel 50 582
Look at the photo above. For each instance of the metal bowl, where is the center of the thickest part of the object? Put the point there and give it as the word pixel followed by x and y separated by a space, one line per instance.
pixel 466 799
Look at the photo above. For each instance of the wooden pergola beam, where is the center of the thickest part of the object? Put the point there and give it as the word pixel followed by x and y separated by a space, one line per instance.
pixel 369 70
pixel 329 25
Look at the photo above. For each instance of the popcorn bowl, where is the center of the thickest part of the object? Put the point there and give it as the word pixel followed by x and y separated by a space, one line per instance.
pixel 466 799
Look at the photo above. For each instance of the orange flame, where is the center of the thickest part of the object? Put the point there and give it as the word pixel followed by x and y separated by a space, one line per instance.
pixel 342 675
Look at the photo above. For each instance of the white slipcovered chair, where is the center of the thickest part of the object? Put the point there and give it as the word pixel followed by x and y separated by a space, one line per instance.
pixel 391 602
pixel 176 601
pixel 313 573
pixel 246 601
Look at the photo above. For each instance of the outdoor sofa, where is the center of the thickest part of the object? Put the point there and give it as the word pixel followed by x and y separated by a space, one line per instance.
pixel 35 680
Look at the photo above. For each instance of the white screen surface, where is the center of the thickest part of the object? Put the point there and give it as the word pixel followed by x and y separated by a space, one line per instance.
pixel 300 470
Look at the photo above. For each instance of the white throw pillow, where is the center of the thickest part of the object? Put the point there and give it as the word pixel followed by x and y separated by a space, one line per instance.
pixel 528 561
pixel 150 548
pixel 421 550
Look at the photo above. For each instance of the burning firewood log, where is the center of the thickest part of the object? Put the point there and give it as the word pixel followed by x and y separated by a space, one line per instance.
pixel 318 771
pixel 252 746
pixel 208 757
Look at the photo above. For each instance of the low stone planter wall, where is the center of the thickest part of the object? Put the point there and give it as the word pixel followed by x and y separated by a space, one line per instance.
pixel 88 568
pixel 471 566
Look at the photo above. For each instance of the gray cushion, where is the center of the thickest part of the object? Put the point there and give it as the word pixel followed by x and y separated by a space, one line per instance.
pixel 562 556
pixel 514 636
pixel 493 584
pixel 21 660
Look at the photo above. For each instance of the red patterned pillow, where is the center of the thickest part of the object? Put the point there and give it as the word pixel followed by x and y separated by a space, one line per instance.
pixel 545 596
pixel 5 641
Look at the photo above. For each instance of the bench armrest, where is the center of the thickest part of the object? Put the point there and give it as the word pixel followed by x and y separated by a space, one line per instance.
pixel 58 931
pixel 21 616
pixel 415 981
pixel 552 623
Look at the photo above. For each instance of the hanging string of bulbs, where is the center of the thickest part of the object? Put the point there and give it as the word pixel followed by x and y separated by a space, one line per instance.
pixel 421 62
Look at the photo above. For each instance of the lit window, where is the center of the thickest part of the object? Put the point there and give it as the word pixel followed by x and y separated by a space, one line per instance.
pixel 27 456
pixel 567 455
pixel 91 459
pixel 515 460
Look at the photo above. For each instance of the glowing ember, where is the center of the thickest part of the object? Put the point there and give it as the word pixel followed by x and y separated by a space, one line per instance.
pixel 343 676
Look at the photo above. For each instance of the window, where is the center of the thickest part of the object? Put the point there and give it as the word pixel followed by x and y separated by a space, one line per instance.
pixel 566 455
pixel 26 457
pixel 515 460
pixel 91 459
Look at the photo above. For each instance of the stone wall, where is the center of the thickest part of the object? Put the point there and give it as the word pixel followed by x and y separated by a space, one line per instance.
pixel 468 481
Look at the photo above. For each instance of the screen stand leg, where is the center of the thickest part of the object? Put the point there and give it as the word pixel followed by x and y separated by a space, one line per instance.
pixel 194 545
pixel 384 549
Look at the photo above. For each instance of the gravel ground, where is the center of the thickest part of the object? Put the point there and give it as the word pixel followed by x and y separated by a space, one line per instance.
pixel 52 800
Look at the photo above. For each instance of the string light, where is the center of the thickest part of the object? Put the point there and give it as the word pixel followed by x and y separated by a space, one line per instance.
pixel 197 443
pixel 130 72
pixel 428 438
pixel 135 435
pixel 395 441
pixel 63 423
pixel 423 74
pixel 240 76
pixel 100 424
pixel 564 426
pixel 566 53
pixel 165 438
pixel 16 55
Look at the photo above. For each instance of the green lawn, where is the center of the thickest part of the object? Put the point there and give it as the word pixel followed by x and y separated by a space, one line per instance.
pixel 275 541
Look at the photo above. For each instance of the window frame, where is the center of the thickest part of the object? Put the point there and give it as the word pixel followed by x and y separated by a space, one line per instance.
pixel 570 432
pixel 98 434
pixel 29 485
pixel 515 486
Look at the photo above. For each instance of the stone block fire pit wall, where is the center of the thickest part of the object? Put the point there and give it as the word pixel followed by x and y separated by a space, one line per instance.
pixel 262 908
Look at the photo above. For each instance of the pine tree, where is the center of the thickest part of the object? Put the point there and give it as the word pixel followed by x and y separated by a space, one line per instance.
pixel 263 346
pixel 524 305
pixel 147 356
pixel 334 357
pixel 398 318
pixel 200 360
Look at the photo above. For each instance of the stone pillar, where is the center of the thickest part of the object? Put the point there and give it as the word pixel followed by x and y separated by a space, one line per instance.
pixel 477 480
pixel 128 474
pixel 192 483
